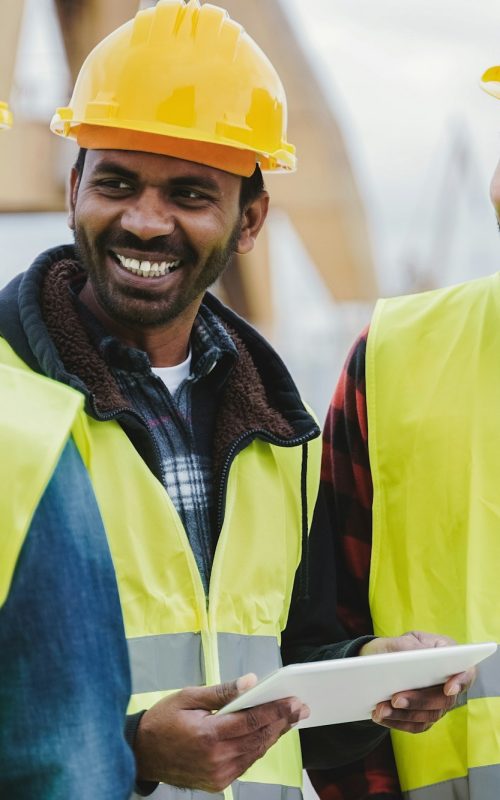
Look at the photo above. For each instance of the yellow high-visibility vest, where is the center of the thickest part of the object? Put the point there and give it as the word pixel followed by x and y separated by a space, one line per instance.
pixel 36 418
pixel 433 398
pixel 177 636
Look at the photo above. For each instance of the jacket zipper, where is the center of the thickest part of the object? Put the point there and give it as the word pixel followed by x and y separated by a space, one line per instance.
pixel 267 437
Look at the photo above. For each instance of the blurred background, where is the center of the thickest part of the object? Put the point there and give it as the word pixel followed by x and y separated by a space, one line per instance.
pixel 396 145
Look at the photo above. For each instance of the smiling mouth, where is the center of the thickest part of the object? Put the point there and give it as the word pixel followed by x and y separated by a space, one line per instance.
pixel 146 269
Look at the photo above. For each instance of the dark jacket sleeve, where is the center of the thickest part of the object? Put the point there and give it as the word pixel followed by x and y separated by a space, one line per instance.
pixel 313 633
pixel 142 788
pixel 347 487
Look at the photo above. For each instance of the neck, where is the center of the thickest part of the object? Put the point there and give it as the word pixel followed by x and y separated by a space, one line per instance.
pixel 166 345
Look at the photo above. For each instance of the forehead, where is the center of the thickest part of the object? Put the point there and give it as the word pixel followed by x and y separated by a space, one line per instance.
pixel 158 168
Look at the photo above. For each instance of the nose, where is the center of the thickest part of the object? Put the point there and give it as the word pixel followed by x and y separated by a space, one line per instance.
pixel 148 215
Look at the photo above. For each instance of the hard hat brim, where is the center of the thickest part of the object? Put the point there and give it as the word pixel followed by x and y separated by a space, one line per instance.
pixel 490 81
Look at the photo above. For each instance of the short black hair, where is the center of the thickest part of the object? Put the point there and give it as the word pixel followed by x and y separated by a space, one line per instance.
pixel 251 188
pixel 80 160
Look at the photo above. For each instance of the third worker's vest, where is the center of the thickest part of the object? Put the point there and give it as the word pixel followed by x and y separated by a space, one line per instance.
pixel 433 397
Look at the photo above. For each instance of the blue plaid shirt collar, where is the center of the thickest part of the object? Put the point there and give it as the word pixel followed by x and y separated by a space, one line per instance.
pixel 210 344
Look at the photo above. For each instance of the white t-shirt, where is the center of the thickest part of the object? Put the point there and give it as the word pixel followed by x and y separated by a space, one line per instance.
pixel 172 377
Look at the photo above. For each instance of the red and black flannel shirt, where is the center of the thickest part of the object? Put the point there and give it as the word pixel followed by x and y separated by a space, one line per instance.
pixel 348 485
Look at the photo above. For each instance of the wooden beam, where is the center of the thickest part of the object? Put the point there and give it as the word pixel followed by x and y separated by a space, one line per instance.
pixel 246 286
pixel 11 14
pixel 322 198
pixel 29 154
pixel 85 22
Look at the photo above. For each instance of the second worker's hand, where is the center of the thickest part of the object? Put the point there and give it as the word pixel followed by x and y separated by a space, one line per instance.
pixel 415 711
pixel 180 741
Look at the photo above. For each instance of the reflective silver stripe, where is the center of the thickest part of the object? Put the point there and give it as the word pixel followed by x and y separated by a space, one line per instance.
pixel 173 660
pixel 166 661
pixel 242 790
pixel 487 683
pixel 264 791
pixel 482 783
pixel 239 654
pixel 164 792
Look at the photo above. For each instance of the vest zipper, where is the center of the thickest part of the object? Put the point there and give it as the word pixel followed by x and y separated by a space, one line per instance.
pixel 111 415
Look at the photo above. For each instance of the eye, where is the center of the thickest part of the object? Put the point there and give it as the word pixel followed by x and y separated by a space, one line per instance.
pixel 189 194
pixel 191 197
pixel 114 185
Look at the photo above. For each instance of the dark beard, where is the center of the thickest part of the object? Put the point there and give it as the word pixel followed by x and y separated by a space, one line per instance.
pixel 152 311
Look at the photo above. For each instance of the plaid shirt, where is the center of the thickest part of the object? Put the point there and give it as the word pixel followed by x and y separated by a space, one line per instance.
pixel 348 485
pixel 181 425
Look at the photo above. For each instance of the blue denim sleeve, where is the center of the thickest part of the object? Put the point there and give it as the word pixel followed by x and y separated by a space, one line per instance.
pixel 64 674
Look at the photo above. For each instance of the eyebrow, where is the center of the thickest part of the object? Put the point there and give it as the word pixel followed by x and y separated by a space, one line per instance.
pixel 193 179
pixel 200 181
pixel 110 166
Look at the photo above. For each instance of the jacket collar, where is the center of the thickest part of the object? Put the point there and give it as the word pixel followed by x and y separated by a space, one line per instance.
pixel 39 319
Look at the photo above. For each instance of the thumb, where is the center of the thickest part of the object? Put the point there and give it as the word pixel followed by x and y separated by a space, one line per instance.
pixel 212 698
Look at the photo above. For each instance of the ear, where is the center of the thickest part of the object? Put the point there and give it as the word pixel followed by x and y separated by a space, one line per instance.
pixel 252 220
pixel 74 182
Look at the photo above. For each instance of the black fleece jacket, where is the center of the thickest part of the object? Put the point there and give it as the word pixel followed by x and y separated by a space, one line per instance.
pixel 39 319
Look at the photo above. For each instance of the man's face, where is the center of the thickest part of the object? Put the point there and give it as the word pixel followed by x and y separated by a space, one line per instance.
pixel 153 232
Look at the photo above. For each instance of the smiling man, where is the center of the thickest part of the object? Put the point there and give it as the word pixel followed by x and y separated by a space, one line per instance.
pixel 154 232
pixel 203 458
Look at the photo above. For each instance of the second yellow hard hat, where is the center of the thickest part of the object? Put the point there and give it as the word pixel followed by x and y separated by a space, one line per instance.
pixel 490 81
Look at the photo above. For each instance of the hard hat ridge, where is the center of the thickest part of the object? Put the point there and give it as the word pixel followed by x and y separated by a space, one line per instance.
pixel 182 79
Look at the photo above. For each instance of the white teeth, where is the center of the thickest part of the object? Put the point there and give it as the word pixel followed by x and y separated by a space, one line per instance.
pixel 150 269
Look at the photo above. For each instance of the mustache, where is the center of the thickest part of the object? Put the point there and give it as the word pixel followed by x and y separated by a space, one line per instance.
pixel 170 245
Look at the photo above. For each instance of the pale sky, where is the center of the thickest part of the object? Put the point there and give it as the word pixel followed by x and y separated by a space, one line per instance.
pixel 404 78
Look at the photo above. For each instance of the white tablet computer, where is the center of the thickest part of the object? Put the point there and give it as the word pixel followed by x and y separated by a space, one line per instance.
pixel 345 690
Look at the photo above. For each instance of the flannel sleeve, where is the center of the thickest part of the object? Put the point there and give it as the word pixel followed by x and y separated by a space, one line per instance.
pixel 347 485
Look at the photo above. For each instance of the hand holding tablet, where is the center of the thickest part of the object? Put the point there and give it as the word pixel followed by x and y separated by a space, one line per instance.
pixel 346 690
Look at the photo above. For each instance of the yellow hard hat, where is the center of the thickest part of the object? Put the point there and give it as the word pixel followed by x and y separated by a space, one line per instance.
pixel 5 116
pixel 182 80
pixel 490 81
